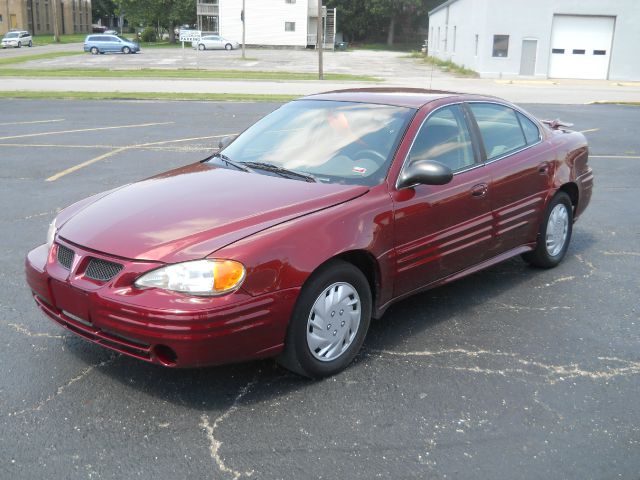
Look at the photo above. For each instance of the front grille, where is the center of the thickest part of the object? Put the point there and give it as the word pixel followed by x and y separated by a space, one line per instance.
pixel 102 270
pixel 65 256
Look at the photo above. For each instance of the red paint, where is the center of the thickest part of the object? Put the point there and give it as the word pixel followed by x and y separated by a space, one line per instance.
pixel 282 230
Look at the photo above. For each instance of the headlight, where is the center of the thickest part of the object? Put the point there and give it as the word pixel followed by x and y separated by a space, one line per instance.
pixel 200 277
pixel 51 234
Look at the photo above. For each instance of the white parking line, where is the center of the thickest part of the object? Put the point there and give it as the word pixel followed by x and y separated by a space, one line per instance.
pixel 75 168
pixel 590 130
pixel 32 122
pixel 41 134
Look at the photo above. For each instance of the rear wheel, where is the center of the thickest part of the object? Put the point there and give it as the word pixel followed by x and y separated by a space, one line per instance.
pixel 329 322
pixel 554 234
pixel 228 46
pixel 19 44
pixel 94 50
pixel 202 47
pixel 126 50
pixel 30 44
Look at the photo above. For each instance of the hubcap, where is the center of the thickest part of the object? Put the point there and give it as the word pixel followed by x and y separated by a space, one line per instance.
pixel 333 321
pixel 557 229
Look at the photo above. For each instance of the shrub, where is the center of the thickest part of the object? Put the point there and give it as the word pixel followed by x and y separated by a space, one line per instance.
pixel 148 35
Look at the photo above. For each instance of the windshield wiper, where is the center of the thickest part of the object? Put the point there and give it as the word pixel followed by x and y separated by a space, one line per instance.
pixel 228 161
pixel 283 172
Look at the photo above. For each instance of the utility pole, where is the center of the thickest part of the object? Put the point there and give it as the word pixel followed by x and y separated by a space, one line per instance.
pixel 244 23
pixel 56 24
pixel 320 41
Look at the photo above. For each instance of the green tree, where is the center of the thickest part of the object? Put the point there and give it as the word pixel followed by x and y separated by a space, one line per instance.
pixel 161 14
pixel 372 20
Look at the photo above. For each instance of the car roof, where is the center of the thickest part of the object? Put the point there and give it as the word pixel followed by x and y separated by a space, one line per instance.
pixel 399 97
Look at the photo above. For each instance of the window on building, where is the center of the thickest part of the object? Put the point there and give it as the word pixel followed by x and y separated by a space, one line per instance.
pixel 557 50
pixel 500 45
pixel 599 52
pixel 578 52
pixel 477 41
pixel 446 33
pixel 438 40
pixel 289 26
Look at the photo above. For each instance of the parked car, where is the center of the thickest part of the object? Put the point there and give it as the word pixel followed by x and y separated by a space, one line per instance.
pixel 311 222
pixel 102 43
pixel 214 42
pixel 111 32
pixel 17 39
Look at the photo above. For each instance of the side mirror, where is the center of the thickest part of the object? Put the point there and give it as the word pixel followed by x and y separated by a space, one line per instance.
pixel 226 141
pixel 425 172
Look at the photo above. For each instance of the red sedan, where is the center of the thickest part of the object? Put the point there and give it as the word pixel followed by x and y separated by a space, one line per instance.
pixel 314 220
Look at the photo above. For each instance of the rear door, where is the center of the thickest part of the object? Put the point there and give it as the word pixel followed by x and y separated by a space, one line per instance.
pixel 442 229
pixel 520 165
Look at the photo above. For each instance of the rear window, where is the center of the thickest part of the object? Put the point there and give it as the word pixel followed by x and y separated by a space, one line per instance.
pixel 531 132
pixel 499 127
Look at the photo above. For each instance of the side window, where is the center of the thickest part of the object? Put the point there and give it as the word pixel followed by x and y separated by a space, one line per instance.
pixel 444 138
pixel 499 127
pixel 531 132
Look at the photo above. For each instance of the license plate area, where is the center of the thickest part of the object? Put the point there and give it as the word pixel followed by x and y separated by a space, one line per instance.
pixel 71 300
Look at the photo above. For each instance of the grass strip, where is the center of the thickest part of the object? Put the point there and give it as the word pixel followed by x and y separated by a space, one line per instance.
pixel 444 65
pixel 182 74
pixel 217 97
pixel 39 56
pixel 614 102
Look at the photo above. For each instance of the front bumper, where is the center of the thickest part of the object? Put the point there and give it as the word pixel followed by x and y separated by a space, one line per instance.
pixel 157 326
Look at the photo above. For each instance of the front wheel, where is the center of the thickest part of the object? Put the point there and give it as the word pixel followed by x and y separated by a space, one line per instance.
pixel 554 234
pixel 30 44
pixel 126 50
pixel 228 46
pixel 329 322
pixel 201 47
pixel 19 44
pixel 94 50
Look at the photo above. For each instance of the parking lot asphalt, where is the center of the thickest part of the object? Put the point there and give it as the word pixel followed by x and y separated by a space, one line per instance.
pixel 510 373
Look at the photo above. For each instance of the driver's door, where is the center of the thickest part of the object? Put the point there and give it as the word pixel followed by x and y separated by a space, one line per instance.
pixel 442 229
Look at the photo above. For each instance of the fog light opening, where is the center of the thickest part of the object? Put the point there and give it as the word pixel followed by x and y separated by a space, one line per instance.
pixel 165 355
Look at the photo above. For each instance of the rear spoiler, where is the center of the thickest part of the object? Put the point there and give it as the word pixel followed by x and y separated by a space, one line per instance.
pixel 557 124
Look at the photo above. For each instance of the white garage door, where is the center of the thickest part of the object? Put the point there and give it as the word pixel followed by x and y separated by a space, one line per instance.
pixel 581 46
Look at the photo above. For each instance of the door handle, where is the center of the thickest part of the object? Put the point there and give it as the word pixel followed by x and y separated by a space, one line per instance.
pixel 543 168
pixel 479 190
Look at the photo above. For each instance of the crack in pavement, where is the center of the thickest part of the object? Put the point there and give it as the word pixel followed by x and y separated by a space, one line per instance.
pixel 551 373
pixel 214 443
pixel 38 406
pixel 24 331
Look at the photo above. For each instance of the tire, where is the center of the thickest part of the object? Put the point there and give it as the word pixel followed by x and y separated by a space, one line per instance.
pixel 94 50
pixel 228 46
pixel 30 44
pixel 201 47
pixel 554 234
pixel 19 44
pixel 310 347
pixel 126 50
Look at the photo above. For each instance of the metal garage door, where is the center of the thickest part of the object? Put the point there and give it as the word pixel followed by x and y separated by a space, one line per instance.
pixel 581 46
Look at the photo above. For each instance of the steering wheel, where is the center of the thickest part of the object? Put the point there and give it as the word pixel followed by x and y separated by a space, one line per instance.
pixel 370 154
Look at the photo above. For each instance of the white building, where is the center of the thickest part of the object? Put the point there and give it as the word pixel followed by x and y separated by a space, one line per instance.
pixel 291 23
pixel 591 39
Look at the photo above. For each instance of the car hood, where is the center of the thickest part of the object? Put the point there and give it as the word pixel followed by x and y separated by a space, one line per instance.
pixel 191 212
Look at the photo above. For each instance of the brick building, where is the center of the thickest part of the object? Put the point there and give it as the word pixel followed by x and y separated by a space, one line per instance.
pixel 74 16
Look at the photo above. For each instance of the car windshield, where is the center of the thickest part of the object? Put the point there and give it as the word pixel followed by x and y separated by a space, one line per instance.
pixel 12 35
pixel 337 142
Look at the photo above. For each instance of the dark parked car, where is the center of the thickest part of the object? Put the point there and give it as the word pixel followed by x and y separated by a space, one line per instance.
pixel 312 221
